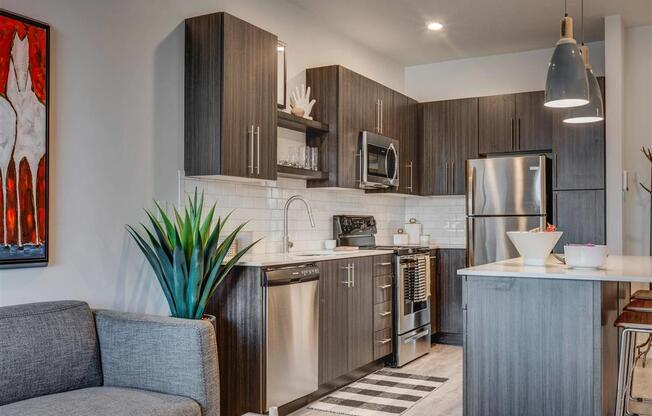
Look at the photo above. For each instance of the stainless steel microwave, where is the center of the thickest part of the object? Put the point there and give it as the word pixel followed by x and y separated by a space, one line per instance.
pixel 379 161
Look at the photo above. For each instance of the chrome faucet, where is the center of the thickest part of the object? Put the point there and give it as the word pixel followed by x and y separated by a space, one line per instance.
pixel 287 244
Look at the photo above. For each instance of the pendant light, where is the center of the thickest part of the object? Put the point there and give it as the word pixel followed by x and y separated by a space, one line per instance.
pixel 594 110
pixel 566 84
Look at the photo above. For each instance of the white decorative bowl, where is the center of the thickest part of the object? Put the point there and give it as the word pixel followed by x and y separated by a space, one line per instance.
pixel 586 256
pixel 534 247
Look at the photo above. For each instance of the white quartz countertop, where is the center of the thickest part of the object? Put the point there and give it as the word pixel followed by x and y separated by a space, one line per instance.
pixel 616 269
pixel 278 259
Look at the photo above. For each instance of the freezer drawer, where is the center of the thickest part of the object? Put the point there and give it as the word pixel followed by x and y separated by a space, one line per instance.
pixel 487 240
pixel 412 345
pixel 506 186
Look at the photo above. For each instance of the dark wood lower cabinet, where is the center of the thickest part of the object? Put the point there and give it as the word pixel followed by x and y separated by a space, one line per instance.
pixel 360 314
pixel 448 296
pixel 333 320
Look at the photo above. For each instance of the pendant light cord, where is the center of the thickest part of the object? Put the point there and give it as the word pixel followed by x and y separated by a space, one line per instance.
pixel 582 6
pixel 565 8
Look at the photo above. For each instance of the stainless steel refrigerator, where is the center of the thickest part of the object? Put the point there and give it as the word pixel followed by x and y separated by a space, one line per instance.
pixel 503 194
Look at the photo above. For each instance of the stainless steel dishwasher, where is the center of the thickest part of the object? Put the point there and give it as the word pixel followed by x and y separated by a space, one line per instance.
pixel 292 332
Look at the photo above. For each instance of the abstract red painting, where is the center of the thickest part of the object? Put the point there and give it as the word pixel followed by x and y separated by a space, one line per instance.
pixel 24 125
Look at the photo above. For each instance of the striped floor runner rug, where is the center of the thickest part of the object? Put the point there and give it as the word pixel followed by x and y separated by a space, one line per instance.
pixel 384 392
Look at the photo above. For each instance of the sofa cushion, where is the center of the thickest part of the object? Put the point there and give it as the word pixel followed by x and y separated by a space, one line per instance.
pixel 47 348
pixel 104 401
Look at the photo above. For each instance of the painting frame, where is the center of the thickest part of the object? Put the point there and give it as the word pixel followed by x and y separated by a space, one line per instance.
pixel 42 260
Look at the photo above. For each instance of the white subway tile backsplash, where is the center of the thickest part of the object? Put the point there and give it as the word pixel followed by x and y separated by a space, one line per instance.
pixel 262 205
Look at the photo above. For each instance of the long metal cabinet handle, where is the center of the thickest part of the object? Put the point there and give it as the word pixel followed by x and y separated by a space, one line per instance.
pixel 453 177
pixel 348 275
pixel 258 150
pixel 381 116
pixel 353 274
pixel 377 116
pixel 409 166
pixel 446 178
pixel 251 149
pixel 512 134
pixel 518 131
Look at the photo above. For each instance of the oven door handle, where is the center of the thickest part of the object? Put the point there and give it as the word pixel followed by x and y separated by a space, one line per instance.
pixel 416 336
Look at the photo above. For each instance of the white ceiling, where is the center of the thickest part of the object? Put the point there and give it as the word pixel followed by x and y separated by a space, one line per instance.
pixel 397 28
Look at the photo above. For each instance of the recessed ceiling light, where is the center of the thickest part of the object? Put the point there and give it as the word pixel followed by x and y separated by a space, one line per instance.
pixel 435 26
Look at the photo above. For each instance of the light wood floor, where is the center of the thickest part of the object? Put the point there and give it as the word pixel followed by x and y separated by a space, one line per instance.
pixel 446 361
pixel 443 361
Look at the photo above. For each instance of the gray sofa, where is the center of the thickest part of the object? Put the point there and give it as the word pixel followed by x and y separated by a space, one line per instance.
pixel 61 358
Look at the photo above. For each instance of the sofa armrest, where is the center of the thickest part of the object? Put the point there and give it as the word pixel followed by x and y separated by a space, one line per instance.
pixel 166 355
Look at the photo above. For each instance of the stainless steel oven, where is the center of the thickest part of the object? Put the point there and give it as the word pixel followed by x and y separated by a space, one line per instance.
pixel 378 161
pixel 412 306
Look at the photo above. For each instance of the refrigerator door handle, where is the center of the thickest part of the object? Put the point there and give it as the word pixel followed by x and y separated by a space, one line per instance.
pixel 470 186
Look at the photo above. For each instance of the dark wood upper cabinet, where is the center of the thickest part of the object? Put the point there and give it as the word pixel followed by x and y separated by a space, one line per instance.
pixel 533 122
pixel 230 98
pixel 514 123
pixel 578 153
pixel 351 103
pixel 449 134
pixel 496 124
pixel 581 216
pixel 410 179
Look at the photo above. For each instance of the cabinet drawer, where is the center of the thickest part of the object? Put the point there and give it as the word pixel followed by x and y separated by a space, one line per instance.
pixel 383 289
pixel 382 316
pixel 382 343
pixel 383 265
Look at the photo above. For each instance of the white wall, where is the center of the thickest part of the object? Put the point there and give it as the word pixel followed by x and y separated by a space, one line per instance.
pixel 117 131
pixel 489 75
pixel 638 133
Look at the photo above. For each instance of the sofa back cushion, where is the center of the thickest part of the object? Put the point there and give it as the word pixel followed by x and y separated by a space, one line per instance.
pixel 47 348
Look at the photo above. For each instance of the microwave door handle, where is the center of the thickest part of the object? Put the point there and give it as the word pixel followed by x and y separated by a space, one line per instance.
pixel 396 164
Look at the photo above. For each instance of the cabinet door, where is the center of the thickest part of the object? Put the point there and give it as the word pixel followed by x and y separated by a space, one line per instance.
pixel 238 128
pixel 462 136
pixel 263 62
pixel 496 124
pixel 360 312
pixel 449 292
pixel 388 112
pixel 533 122
pixel 581 216
pixel 578 155
pixel 434 303
pixel 333 320
pixel 355 112
pixel 408 122
pixel 369 102
pixel 435 148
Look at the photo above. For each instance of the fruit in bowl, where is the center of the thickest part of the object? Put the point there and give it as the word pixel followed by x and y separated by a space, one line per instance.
pixel 587 256
pixel 535 246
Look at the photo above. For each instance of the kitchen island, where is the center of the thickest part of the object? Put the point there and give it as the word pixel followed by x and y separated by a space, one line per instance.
pixel 540 340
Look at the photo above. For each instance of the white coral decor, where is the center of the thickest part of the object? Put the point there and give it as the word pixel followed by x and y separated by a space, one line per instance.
pixel 301 103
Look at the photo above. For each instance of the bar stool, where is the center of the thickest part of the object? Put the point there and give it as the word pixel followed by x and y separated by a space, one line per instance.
pixel 643 349
pixel 636 319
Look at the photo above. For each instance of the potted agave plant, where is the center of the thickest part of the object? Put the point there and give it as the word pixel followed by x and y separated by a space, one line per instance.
pixel 188 258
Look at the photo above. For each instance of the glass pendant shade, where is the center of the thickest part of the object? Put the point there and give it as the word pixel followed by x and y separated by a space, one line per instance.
pixel 566 84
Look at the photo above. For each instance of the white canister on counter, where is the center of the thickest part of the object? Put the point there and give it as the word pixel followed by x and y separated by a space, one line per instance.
pixel 424 240
pixel 400 238
pixel 413 230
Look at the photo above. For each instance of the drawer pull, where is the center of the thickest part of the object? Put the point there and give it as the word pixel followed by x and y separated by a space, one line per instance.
pixel 385 313
pixel 384 341
pixel 384 286
pixel 387 263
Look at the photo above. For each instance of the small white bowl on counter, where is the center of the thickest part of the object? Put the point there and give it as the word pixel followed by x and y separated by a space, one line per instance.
pixel 585 256
pixel 534 247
